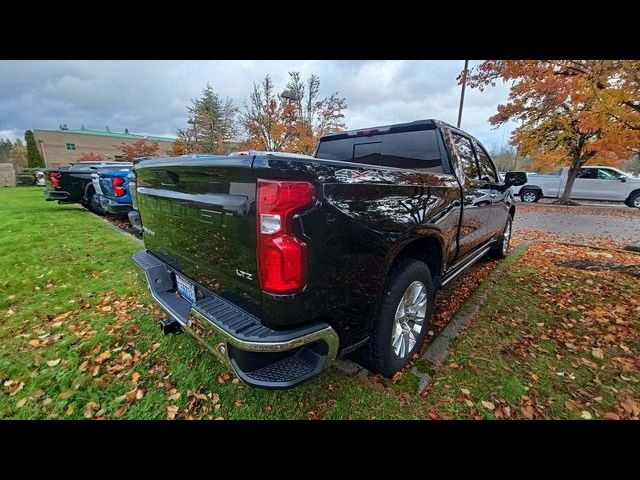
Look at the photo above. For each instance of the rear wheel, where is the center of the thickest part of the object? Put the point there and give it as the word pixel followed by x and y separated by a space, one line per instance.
pixel 501 248
pixel 94 204
pixel 403 320
pixel 530 196
pixel 634 200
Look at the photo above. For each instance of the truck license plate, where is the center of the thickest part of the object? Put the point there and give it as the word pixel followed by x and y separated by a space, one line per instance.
pixel 186 289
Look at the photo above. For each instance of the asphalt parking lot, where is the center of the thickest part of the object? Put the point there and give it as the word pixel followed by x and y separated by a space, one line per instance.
pixel 586 223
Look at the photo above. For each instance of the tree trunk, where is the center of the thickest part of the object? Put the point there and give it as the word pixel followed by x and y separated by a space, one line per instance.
pixel 565 198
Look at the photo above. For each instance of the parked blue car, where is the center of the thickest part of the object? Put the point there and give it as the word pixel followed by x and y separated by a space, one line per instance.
pixel 112 190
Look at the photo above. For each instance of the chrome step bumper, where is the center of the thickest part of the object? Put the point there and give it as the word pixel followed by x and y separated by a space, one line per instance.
pixel 260 356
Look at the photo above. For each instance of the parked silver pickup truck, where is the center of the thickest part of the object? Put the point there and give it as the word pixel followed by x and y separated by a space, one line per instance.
pixel 592 183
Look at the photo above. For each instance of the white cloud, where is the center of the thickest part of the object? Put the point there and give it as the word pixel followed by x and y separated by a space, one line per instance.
pixel 151 96
pixel 12 135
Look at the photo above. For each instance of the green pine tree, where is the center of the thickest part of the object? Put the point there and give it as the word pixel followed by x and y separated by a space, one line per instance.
pixel 212 124
pixel 34 159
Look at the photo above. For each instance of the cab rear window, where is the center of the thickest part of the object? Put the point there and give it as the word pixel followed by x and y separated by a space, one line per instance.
pixel 414 149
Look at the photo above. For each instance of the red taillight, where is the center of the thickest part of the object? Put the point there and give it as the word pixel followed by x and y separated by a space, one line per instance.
pixel 282 256
pixel 55 179
pixel 118 189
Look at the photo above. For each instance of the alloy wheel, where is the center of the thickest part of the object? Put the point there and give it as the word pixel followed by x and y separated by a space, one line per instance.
pixel 409 319
pixel 506 237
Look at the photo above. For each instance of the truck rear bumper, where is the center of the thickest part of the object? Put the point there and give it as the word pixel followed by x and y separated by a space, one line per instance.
pixel 260 356
pixel 114 207
pixel 59 195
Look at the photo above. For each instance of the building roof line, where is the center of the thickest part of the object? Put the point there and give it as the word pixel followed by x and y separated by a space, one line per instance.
pixel 100 133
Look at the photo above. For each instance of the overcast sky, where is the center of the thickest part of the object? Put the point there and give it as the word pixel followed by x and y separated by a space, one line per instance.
pixel 150 97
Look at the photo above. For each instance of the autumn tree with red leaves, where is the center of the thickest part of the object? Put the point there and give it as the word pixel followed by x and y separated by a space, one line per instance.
pixel 293 120
pixel 571 111
pixel 91 157
pixel 179 147
pixel 140 148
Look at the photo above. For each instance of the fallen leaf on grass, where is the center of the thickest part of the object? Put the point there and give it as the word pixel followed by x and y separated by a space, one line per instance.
pixel 46 402
pixel 465 391
pixel 16 390
pixel 223 378
pixel 90 409
pixel 37 394
pixel 34 343
pixel 103 356
pixel 571 405
pixel 135 376
pixel 631 407
pixel 488 405
pixel 174 396
pixel 527 412
pixel 597 353
pixel 267 409
pixel 70 410
pixel 586 415
pixel 172 411
pixel 119 413
pixel 53 363
pixel 21 403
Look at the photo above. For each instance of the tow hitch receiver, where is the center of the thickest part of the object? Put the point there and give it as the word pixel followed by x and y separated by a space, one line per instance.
pixel 170 325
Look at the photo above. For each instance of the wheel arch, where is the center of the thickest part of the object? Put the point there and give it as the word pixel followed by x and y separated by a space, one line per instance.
pixel 632 193
pixel 89 189
pixel 427 247
pixel 530 187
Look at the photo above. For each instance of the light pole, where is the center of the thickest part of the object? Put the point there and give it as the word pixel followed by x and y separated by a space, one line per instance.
pixel 464 84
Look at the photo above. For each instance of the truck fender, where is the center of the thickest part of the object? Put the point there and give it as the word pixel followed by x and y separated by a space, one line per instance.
pixel 88 189
pixel 425 244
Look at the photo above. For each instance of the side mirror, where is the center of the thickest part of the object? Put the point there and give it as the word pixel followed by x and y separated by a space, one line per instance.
pixel 515 179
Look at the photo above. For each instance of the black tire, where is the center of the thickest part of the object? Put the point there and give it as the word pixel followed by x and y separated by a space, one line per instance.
pixel 94 204
pixel 529 196
pixel 498 250
pixel 634 200
pixel 380 357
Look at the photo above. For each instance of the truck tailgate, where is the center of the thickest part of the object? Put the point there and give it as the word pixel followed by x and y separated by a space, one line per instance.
pixel 198 216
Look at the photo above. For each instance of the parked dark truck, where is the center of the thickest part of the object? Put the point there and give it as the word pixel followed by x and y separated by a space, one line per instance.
pixel 278 262
pixel 73 183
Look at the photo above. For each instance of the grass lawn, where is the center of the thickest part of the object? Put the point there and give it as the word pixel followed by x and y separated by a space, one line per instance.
pixel 78 339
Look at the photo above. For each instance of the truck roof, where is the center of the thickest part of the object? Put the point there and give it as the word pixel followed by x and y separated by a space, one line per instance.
pixel 395 128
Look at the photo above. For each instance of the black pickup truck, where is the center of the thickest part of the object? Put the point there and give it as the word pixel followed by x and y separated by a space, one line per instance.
pixel 278 262
pixel 73 183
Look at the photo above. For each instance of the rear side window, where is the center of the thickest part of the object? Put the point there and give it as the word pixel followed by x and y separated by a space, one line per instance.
pixel 487 170
pixel 588 173
pixel 417 149
pixel 466 156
